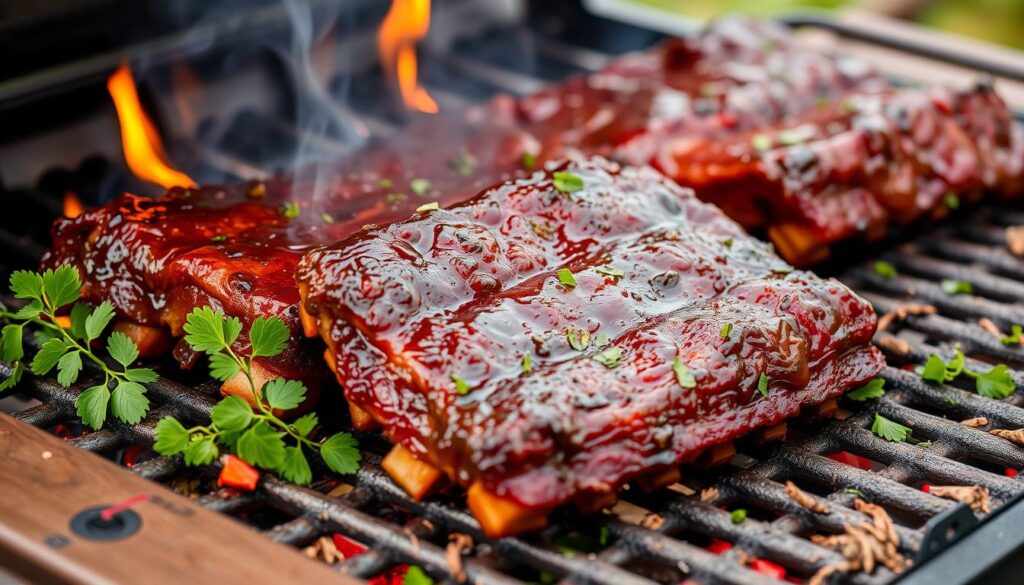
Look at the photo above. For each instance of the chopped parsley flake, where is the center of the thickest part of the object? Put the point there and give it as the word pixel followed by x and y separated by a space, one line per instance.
pixel 885 270
pixel 857 493
pixel 925 444
pixel 610 272
pixel 601 339
pixel 529 159
pixel 890 430
pixel 782 270
pixel 1014 337
pixel 873 389
pixel 419 186
pixel 327 217
pixel 727 242
pixel 609 357
pixel 761 142
pixel 952 201
pixel 461 386
pixel 386 183
pixel 527 364
pixel 578 339
pixel 996 383
pixel 790 138
pixel 684 377
pixel 395 197
pixel 432 206
pixel 219 238
pixel 290 210
pixel 566 277
pixel 567 182
pixel 738 515
pixel 957 287
pixel 726 331
pixel 762 384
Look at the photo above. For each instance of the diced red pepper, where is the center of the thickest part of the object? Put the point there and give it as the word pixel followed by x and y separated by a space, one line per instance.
pixel 768 568
pixel 238 474
pixel 847 458
pixel 395 576
pixel 347 546
pixel 1011 472
pixel 131 454
pixel 926 488
pixel 719 546
pixel 728 120
pixel 941 105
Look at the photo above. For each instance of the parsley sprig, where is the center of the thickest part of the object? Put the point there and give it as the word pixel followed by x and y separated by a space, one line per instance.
pixel 995 383
pixel 255 435
pixel 121 391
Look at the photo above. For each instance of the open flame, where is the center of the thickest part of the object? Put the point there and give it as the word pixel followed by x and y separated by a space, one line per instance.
pixel 143 150
pixel 72 206
pixel 406 22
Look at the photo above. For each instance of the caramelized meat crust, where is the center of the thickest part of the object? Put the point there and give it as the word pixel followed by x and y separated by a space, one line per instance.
pixel 545 343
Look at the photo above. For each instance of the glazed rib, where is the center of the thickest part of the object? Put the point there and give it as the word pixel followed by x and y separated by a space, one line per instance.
pixel 430 321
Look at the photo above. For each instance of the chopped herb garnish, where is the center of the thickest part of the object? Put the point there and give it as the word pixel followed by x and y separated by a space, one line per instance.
pixel 290 210
pixel 925 444
pixel 952 201
pixel 956 287
pixel 857 493
pixel 938 371
pixel 566 277
pixel 327 217
pixel 386 183
pixel 885 269
pixel 684 377
pixel 727 242
pixel 416 576
pixel 608 271
pixel 782 269
pixel 542 229
pixel 464 164
pixel 790 137
pixel 738 515
pixel 762 384
pixel 761 142
pixel 567 182
pixel 395 197
pixel 890 430
pixel 848 105
pixel 432 206
pixel 529 159
pixel 601 339
pixel 219 238
pixel 461 386
pixel 609 357
pixel 419 186
pixel 527 364
pixel 995 383
pixel 873 389
pixel 1014 337
pixel 726 331
pixel 578 339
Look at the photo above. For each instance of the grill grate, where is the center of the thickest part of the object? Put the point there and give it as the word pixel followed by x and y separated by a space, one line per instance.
pixel 371 509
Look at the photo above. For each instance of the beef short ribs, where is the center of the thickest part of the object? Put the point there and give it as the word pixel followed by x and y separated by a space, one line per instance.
pixel 560 335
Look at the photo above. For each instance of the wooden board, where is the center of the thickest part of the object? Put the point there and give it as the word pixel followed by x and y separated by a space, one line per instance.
pixel 45 483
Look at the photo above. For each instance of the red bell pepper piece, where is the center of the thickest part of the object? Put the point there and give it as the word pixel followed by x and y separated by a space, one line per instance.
pixel 238 474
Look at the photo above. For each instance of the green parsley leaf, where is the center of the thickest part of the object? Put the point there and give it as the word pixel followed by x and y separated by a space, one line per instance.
pixel 461 386
pixel 1014 337
pixel 761 142
pixel 27 285
pixel 30 311
pixel 416 576
pixel 340 453
pixel 419 186
pixel 268 337
pixel 934 370
pixel 48 356
pixel 305 424
pixel 578 339
pixel 284 394
pixel 873 389
pixel 79 313
pixel 610 272
pixel 290 210
pixel 62 286
pixel 68 368
pixel 885 269
pixel 294 467
pixel 726 331
pixel 996 383
pixel 232 413
pixel 209 331
pixel 924 444
pixel 98 320
pixel 122 348
pixel 566 277
pixel 15 377
pixel 91 406
pixel 432 206
pixel 684 377
pixel 11 349
pixel 567 182
pixel 262 446
pixel 171 436
pixel 738 515
pixel 890 430
pixel 141 375
pixel 223 367
pixel 529 159
pixel 762 384
pixel 952 200
pixel 128 402
pixel 956 287
pixel 609 357
pixel 527 363
pixel 201 451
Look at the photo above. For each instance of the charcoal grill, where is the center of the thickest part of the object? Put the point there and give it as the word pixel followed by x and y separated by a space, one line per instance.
pixel 946 540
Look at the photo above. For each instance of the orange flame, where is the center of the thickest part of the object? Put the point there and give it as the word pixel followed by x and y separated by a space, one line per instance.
pixel 143 150
pixel 72 206
pixel 406 22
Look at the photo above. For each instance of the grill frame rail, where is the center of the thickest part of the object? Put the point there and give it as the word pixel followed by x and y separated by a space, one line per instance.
pixel 755 480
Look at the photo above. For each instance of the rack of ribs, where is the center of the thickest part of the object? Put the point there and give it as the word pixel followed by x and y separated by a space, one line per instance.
pixel 557 336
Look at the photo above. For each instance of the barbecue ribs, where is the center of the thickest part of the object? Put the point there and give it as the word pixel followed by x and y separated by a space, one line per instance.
pixel 560 335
